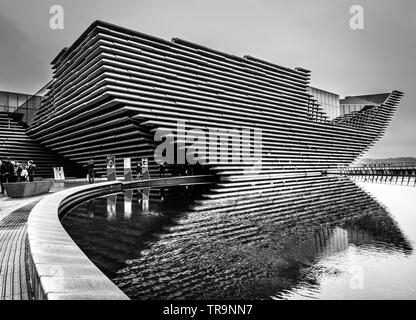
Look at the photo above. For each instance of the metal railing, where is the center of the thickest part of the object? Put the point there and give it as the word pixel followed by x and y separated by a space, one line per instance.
pixel 395 172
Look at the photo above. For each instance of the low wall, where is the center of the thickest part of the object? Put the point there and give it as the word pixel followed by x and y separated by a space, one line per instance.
pixel 58 269
pixel 27 189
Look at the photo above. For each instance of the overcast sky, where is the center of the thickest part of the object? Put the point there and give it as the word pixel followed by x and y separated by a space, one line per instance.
pixel 314 34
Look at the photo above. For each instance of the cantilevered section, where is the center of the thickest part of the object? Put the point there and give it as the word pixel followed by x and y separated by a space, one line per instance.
pixel 114 87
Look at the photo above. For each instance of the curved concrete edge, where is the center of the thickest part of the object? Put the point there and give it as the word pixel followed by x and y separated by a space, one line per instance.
pixel 58 269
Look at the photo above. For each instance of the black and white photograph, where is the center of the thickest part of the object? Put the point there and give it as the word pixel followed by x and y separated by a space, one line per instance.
pixel 206 156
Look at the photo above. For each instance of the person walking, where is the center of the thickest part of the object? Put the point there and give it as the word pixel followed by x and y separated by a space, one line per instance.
pixel 31 170
pixel 90 170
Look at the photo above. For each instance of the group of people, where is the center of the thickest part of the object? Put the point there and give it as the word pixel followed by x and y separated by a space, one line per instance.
pixel 15 171
pixel 179 169
pixel 176 170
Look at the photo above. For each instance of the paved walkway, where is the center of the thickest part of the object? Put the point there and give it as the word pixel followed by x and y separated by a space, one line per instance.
pixel 13 219
pixel 13 271
pixel 8 205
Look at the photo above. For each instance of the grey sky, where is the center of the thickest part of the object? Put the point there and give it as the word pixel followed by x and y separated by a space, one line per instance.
pixel 311 34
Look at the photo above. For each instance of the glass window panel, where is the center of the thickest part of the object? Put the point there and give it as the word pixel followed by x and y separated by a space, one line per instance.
pixel 30 103
pixel 3 98
pixel 12 99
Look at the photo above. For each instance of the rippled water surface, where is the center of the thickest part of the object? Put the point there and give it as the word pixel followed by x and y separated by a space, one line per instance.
pixel 326 239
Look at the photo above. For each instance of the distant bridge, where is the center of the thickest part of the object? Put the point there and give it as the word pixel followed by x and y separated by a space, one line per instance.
pixel 400 173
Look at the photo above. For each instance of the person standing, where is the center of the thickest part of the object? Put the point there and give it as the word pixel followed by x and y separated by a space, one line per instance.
pixel 139 169
pixel 162 170
pixel 13 171
pixel 90 169
pixel 24 173
pixel 19 170
pixel 31 170
pixel 7 172
pixel 1 177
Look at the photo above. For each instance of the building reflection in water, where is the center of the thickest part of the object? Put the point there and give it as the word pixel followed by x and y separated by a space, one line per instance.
pixel 142 199
pixel 111 207
pixel 253 246
pixel 128 203
pixel 90 208
pixel 145 192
